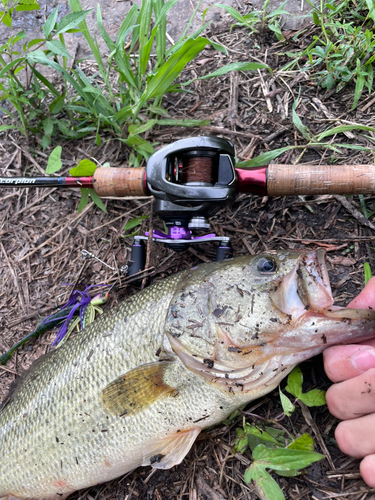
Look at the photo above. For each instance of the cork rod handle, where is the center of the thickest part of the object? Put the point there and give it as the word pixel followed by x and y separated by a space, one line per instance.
pixel 120 182
pixel 293 180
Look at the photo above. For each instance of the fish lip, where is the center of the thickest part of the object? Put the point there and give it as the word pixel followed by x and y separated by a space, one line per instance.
pixel 305 287
pixel 322 267
pixel 313 285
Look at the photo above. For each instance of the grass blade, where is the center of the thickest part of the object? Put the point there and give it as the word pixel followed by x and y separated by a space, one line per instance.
pixel 172 68
pixel 239 66
pixel 263 159
pixel 105 36
pixel 344 128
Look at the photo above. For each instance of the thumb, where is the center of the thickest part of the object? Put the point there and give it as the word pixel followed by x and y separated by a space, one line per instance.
pixel 343 362
pixel 366 299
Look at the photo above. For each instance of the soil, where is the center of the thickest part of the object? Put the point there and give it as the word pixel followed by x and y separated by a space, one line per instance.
pixel 42 236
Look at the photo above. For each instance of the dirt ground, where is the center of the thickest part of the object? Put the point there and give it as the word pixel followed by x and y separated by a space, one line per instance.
pixel 42 236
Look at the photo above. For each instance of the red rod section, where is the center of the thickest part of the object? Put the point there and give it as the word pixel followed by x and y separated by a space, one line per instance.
pixel 83 182
pixel 252 180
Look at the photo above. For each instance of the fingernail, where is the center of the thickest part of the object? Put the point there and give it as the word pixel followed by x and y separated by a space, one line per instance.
pixel 363 359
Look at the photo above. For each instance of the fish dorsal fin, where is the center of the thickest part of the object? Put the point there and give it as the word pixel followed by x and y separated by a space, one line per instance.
pixel 136 390
pixel 171 450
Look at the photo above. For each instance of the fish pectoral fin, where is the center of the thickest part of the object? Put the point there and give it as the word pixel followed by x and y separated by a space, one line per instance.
pixel 137 389
pixel 170 451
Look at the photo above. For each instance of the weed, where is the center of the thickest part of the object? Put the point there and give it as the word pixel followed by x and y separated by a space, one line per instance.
pixel 256 20
pixel 273 448
pixel 343 50
pixel 8 7
pixel 94 105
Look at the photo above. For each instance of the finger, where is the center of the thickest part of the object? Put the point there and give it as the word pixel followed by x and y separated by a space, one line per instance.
pixel 356 437
pixel 347 361
pixel 354 397
pixel 366 299
pixel 367 469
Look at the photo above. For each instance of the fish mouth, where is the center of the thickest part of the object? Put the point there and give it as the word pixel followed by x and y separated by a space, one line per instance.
pixel 305 288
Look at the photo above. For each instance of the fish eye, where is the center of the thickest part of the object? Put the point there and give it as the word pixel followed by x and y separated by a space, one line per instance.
pixel 267 265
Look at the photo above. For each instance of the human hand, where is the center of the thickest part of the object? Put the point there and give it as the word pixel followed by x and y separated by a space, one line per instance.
pixel 352 397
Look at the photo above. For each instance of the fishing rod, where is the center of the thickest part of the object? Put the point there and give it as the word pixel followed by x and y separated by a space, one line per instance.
pixel 191 179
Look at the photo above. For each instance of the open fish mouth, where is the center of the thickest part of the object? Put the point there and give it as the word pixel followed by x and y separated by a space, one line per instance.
pixel 305 288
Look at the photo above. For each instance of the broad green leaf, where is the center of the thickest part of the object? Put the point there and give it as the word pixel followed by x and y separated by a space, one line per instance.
pixel 295 379
pixel 31 44
pixel 58 48
pixel 315 397
pixel 85 168
pixel 263 159
pixel 84 199
pixel 98 202
pixel 304 442
pixel 51 21
pixel 316 18
pixel 278 434
pixel 134 222
pixel 368 273
pixel 28 2
pixel 7 20
pixel 344 128
pixel 240 443
pixel 20 36
pixel 288 407
pixel 24 8
pixel 48 126
pixel 71 21
pixel 54 161
pixel 284 458
pixel 57 104
pixel 260 433
pixel 46 141
pixel 267 487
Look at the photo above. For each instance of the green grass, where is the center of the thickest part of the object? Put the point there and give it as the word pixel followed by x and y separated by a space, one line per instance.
pixel 123 99
pixel 342 51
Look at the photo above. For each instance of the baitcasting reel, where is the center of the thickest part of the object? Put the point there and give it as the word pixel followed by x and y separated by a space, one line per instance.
pixel 190 180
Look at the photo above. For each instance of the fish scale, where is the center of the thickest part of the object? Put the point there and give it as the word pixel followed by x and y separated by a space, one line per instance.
pixel 136 386
pixel 54 409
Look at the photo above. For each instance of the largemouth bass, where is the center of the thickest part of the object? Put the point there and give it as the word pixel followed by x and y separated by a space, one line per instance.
pixel 137 386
